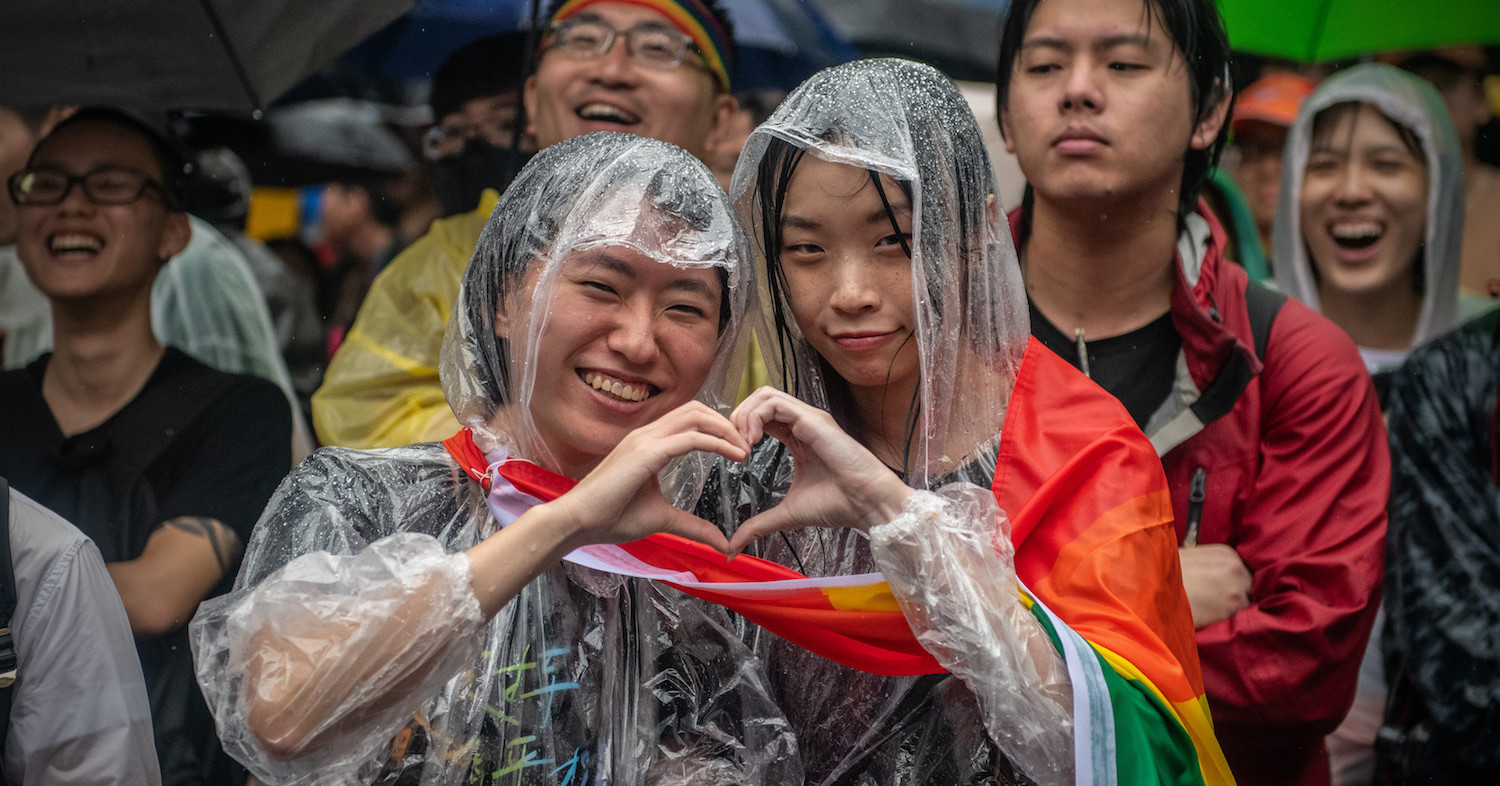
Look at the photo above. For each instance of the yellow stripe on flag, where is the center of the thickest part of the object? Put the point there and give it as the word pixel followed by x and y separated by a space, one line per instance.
pixel 870 597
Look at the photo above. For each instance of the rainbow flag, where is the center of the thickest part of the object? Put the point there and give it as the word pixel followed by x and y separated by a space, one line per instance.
pixel 1096 558
pixel 1091 519
pixel 853 620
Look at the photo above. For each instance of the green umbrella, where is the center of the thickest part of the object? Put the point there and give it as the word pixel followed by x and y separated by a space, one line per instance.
pixel 1315 31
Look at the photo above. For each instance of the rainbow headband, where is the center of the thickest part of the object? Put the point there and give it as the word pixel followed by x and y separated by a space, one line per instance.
pixel 690 16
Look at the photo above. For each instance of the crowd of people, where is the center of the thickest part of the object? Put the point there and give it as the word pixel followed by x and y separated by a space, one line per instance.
pixel 706 442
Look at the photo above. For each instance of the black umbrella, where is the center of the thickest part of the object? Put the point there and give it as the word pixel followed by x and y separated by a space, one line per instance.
pixel 313 142
pixel 959 37
pixel 235 55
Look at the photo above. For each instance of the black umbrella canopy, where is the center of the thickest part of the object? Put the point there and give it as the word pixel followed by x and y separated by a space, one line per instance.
pixel 307 143
pixel 228 55
pixel 333 140
pixel 959 37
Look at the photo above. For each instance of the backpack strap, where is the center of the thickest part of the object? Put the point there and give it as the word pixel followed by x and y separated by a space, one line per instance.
pixel 1263 304
pixel 8 660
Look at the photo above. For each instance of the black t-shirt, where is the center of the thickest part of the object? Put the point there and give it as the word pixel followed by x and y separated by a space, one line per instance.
pixel 1138 367
pixel 224 445
pixel 223 455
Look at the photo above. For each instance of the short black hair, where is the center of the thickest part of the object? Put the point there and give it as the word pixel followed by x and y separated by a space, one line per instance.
pixel 489 66
pixel 172 164
pixel 1198 34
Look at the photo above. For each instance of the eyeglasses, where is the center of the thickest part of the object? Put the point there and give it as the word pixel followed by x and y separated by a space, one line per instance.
pixel 647 44
pixel 494 122
pixel 104 186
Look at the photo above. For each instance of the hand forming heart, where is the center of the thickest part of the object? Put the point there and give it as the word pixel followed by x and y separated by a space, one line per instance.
pixel 837 482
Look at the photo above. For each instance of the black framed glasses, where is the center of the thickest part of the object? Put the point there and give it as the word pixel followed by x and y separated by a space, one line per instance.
pixel 648 44
pixel 110 185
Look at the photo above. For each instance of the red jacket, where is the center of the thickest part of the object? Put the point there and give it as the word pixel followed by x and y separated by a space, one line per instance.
pixel 1298 473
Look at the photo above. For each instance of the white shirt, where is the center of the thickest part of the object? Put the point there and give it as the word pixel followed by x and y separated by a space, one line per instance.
pixel 79 712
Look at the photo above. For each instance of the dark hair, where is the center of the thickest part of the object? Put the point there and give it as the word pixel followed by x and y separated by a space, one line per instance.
pixel 546 193
pixel 1324 123
pixel 171 163
pixel 1445 73
pixel 489 66
pixel 387 200
pixel 1328 117
pixel 771 182
pixel 1198 34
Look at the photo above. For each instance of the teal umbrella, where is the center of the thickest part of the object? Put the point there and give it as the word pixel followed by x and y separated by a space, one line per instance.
pixel 1315 31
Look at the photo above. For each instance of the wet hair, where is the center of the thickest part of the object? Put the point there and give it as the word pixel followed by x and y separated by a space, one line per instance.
pixel 771 182
pixel 1326 120
pixel 171 163
pixel 546 194
pixel 1198 35
pixel 489 66
pixel 1324 123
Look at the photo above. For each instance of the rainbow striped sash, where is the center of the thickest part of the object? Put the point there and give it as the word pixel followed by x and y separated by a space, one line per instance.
pixel 1091 522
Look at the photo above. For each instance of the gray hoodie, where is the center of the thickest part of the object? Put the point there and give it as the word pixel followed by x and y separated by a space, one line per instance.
pixel 1411 102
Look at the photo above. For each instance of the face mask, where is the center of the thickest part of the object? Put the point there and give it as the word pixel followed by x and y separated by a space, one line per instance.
pixel 460 179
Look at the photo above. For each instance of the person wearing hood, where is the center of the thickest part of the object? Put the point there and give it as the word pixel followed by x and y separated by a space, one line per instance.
pixel 655 68
pixel 1262 414
pixel 1370 223
pixel 1368 231
pixel 924 435
pixel 399 619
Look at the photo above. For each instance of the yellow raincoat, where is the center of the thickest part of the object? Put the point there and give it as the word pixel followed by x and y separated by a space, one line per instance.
pixel 382 390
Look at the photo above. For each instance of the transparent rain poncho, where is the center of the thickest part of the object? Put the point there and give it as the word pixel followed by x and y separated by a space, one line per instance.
pixel 358 561
pixel 947 557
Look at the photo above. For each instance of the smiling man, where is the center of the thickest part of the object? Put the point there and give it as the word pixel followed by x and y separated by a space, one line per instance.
pixel 1261 410
pixel 162 461
pixel 653 68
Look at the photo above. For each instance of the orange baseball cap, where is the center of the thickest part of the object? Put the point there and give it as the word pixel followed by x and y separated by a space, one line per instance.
pixel 1274 99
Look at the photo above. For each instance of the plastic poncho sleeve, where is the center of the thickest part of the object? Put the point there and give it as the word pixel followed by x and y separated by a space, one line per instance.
pixel 333 652
pixel 950 564
pixel 381 388
pixel 207 303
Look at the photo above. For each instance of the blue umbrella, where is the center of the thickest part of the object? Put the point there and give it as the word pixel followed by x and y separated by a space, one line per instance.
pixel 781 42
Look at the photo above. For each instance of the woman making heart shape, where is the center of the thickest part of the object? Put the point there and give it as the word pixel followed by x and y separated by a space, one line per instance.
pixel 924 435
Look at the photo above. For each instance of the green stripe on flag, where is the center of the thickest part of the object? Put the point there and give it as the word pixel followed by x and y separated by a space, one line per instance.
pixel 1151 745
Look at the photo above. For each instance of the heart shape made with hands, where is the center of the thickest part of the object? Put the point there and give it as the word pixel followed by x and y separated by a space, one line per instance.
pixel 853 620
